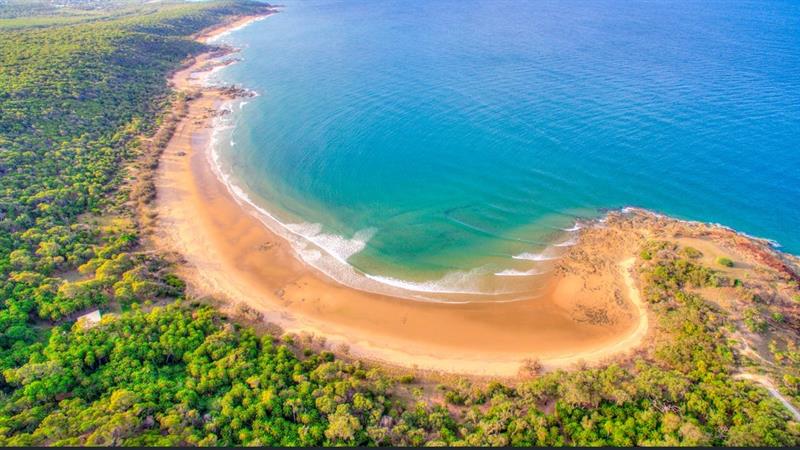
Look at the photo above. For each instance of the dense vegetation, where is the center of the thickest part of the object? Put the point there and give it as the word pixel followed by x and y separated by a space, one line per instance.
pixel 74 103
pixel 183 375
pixel 15 14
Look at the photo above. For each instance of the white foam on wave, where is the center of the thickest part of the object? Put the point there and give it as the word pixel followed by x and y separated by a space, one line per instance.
pixel 300 235
pixel 519 273
pixel 208 78
pixel 575 227
pixel 461 282
pixel 312 245
pixel 567 243
pixel 534 256
pixel 227 32
pixel 325 252
pixel 335 245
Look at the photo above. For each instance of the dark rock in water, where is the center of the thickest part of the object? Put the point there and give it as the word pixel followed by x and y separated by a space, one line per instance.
pixel 237 92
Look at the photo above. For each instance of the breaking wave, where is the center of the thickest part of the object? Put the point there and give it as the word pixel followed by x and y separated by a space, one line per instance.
pixel 568 243
pixel 534 256
pixel 519 273
pixel 467 282
pixel 329 252
pixel 227 32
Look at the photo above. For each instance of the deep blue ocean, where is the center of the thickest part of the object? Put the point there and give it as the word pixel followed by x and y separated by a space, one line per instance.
pixel 427 144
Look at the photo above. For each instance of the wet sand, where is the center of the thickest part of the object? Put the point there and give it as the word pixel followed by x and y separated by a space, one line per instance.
pixel 232 256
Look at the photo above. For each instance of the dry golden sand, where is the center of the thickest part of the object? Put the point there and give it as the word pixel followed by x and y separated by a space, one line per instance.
pixel 587 314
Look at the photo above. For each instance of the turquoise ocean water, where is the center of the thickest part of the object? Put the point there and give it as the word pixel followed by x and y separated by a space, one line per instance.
pixel 451 145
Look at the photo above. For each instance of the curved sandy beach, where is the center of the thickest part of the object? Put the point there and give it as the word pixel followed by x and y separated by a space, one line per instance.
pixel 230 255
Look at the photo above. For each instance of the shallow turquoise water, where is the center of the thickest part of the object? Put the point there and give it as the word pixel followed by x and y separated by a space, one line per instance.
pixel 436 138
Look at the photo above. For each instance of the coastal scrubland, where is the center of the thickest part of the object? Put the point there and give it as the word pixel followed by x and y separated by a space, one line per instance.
pixel 85 110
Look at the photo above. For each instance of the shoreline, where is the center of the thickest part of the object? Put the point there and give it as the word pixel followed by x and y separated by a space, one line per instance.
pixel 231 255
pixel 223 29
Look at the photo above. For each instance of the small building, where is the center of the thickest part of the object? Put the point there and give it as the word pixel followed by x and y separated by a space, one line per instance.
pixel 90 319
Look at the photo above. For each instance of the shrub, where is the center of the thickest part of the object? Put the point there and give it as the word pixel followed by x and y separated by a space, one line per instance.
pixel 754 321
pixel 406 379
pixel 652 248
pixel 723 261
pixel 692 252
